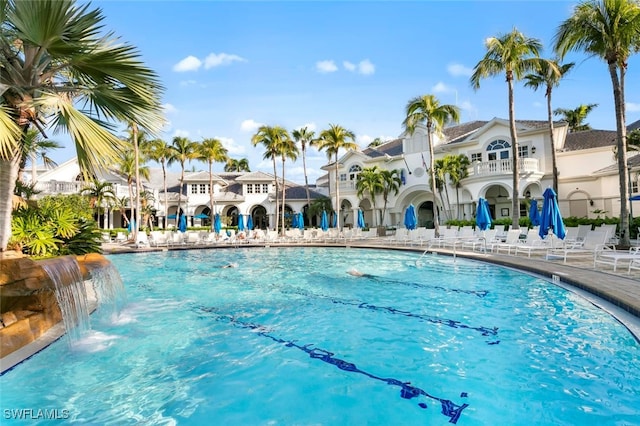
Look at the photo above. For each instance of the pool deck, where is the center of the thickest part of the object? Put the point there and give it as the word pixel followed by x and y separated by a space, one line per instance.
pixel 618 288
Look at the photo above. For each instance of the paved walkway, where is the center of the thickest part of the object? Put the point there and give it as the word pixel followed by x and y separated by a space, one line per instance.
pixel 619 288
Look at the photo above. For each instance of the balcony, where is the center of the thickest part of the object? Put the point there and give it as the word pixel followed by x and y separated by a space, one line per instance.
pixel 54 187
pixel 503 167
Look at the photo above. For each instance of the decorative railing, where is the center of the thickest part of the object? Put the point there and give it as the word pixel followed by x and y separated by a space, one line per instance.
pixel 54 187
pixel 503 167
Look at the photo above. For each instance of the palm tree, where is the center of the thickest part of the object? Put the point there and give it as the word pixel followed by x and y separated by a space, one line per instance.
pixel 34 146
pixel 182 150
pixel 610 30
pixel 332 140
pixel 390 183
pixel 137 137
pixel 376 142
pixel 458 170
pixel 305 137
pixel 441 169
pixel 233 165
pixel 127 168
pixel 100 195
pixel 287 149
pixel 575 117
pixel 514 55
pixel 159 151
pixel 58 60
pixel 548 75
pixel 271 138
pixel 211 150
pixel 427 109
pixel 120 205
pixel 369 181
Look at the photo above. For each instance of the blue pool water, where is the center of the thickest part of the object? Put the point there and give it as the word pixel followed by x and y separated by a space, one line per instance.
pixel 288 337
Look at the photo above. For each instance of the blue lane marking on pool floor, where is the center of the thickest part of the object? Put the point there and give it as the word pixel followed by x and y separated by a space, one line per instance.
pixel 407 391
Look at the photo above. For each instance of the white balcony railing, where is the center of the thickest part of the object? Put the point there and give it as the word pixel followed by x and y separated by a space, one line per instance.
pixel 503 167
pixel 58 187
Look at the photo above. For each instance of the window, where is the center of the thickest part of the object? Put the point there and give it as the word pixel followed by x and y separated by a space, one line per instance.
pixel 499 149
pixel 203 188
pixel 476 156
pixel 524 212
pixel 265 188
pixel 343 177
pixel 354 171
pixel 194 188
pixel 523 151
pixel 634 186
pixel 250 188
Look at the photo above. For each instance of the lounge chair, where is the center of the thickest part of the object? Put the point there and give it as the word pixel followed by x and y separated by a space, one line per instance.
pixel 535 244
pixel 593 242
pixel 608 256
pixel 482 240
pixel 513 236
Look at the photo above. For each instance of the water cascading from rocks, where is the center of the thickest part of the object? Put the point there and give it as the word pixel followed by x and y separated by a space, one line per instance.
pixel 71 295
pixel 109 287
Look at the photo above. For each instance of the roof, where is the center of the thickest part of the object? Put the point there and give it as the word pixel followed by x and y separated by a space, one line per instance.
pixel 633 126
pixel 393 147
pixel 462 132
pixel 299 192
pixel 589 139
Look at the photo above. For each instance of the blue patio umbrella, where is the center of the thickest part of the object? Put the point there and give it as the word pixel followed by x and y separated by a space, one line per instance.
pixel 324 222
pixel 240 223
pixel 171 216
pixel 300 220
pixel 249 222
pixel 182 226
pixel 360 223
pixel 334 220
pixel 294 221
pixel 201 216
pixel 534 214
pixel 410 219
pixel 551 217
pixel 217 224
pixel 483 216
pixel 132 225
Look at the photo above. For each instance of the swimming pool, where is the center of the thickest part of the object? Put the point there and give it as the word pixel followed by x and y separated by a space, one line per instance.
pixel 288 337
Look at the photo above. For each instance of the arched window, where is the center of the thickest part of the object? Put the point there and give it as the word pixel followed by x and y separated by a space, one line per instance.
pixel 498 149
pixel 354 171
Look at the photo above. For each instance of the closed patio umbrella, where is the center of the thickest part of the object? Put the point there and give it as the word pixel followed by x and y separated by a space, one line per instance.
pixel 360 219
pixel 294 221
pixel 410 219
pixel 334 220
pixel 217 224
pixel 240 223
pixel 182 226
pixel 300 220
pixel 324 222
pixel 249 222
pixel 483 216
pixel 534 215
pixel 551 217
pixel 132 225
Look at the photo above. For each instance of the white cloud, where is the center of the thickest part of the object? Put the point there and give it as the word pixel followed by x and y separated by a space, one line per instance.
pixel 349 66
pixel 168 108
pixel 632 107
pixel 366 67
pixel 326 66
pixel 185 83
pixel 190 63
pixel 181 133
pixel 216 60
pixel 458 70
pixel 310 127
pixel 440 87
pixel 249 125
pixel 231 145
pixel 364 140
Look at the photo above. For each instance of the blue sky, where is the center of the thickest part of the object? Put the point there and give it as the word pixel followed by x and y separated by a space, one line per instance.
pixel 231 66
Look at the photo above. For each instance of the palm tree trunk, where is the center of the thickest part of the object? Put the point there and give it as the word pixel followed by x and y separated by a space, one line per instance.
pixel 166 197
pixel 284 191
pixel 8 175
pixel 436 222
pixel 515 200
pixel 621 142
pixel 552 141
pixel 306 182
pixel 137 160
pixel 130 187
pixel 275 180
pixel 180 193
pixel 211 193
pixel 338 195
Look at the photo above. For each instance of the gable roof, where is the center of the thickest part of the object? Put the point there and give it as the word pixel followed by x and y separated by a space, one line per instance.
pixel 589 139
pixel 392 147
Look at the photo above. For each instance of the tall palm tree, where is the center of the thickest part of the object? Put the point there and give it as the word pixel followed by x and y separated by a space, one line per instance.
pixel 57 59
pixel 513 55
pixel 391 182
pixel 548 75
pixel 160 151
pixel 211 150
pixel 182 150
pixel 441 169
pixel 34 146
pixel 126 166
pixel 575 117
pixel 287 149
pixel 369 180
pixel 233 165
pixel 270 137
pixel 427 109
pixel 376 142
pixel 137 137
pixel 305 137
pixel 100 194
pixel 458 171
pixel 332 140
pixel 610 30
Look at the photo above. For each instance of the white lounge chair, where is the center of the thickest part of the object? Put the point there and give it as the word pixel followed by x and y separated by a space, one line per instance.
pixel 608 256
pixel 593 242
pixel 513 236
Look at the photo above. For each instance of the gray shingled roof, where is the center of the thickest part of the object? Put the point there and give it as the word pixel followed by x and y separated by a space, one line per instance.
pixel 589 139
pixel 632 160
pixel 393 147
pixel 300 193
pixel 633 126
